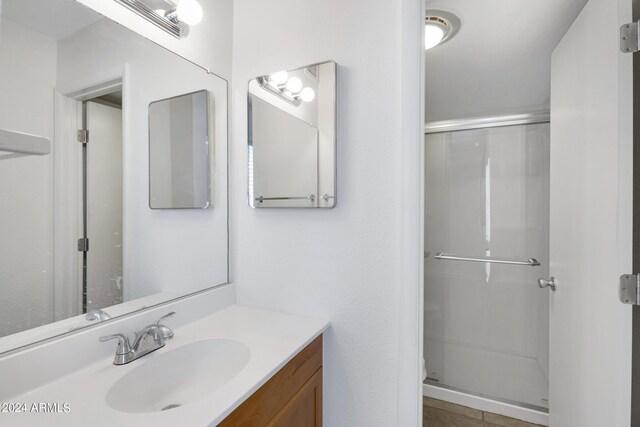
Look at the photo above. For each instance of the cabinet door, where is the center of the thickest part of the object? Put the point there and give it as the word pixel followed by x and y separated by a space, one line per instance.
pixel 290 386
pixel 305 407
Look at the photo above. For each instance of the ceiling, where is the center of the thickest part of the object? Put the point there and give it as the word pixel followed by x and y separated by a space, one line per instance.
pixel 56 19
pixel 500 60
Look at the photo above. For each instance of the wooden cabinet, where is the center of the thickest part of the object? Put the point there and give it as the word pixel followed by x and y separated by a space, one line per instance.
pixel 304 408
pixel 291 398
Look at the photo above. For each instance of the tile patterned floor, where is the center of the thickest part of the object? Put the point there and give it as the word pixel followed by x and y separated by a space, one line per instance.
pixel 438 413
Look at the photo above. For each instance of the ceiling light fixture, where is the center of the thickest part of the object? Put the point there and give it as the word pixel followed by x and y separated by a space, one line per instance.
pixel 439 27
pixel 175 21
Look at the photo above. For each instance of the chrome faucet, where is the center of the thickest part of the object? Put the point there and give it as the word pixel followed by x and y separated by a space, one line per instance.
pixel 97 314
pixel 150 338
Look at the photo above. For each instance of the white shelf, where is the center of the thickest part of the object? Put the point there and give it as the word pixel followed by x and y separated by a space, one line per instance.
pixel 17 144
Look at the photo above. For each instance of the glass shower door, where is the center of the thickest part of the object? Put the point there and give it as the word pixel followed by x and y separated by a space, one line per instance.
pixel 487 324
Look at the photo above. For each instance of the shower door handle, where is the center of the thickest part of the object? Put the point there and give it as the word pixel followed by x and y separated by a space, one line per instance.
pixel 552 283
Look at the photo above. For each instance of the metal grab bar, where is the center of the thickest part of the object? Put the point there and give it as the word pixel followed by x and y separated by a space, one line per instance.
pixel 531 262
pixel 262 199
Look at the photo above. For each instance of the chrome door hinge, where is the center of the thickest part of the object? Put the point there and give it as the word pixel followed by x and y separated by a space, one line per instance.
pixel 629 290
pixel 83 245
pixel 629 42
pixel 83 136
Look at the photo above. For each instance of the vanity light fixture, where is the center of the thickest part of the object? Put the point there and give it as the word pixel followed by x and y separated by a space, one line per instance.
pixel 288 88
pixel 439 27
pixel 307 94
pixel 175 20
pixel 279 78
pixel 294 85
pixel 187 11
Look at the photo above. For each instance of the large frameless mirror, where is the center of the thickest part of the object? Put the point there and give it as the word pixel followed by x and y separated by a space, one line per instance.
pixel 292 138
pixel 79 243
pixel 179 152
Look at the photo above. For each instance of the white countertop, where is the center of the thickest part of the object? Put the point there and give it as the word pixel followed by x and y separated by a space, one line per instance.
pixel 272 338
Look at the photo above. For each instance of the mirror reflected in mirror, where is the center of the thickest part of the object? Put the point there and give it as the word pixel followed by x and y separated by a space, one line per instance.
pixel 79 243
pixel 292 138
pixel 179 152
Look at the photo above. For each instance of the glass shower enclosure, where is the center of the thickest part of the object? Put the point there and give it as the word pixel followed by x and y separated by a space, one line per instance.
pixel 486 321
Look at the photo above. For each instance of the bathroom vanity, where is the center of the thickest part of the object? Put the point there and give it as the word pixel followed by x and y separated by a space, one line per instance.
pixel 237 366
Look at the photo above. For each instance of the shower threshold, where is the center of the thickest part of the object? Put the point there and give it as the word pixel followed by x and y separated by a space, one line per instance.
pixel 529 413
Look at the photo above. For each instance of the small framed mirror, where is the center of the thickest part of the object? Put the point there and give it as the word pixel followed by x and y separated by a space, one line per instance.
pixel 292 138
pixel 179 152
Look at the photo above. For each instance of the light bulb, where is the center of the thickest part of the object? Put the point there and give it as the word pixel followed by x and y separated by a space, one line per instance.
pixel 433 35
pixel 189 12
pixel 307 94
pixel 294 85
pixel 279 78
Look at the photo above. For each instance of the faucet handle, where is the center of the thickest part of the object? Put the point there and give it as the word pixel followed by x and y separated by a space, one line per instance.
pixel 166 316
pixel 123 343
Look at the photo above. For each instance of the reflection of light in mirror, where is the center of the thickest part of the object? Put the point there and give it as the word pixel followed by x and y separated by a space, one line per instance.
pixel 291 89
pixel 307 94
pixel 294 85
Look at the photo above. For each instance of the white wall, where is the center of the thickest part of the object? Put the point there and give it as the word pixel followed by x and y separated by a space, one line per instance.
pixel 27 78
pixel 171 251
pixel 341 264
pixel 208 44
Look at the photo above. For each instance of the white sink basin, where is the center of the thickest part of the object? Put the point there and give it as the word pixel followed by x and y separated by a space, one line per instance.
pixel 179 376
